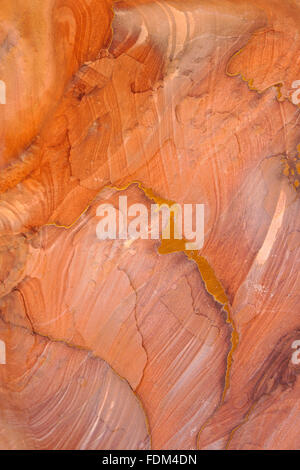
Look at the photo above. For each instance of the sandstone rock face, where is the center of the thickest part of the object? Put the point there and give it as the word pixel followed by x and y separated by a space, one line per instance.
pixel 140 343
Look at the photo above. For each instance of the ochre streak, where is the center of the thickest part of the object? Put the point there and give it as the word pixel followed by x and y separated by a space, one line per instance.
pixel 212 284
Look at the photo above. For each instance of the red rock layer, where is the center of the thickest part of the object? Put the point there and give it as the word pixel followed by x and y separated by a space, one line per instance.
pixel 192 99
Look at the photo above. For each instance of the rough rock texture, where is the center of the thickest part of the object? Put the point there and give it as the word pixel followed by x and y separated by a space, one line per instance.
pixel 119 344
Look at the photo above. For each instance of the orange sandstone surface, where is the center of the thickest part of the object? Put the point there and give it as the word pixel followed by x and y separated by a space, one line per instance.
pixel 140 343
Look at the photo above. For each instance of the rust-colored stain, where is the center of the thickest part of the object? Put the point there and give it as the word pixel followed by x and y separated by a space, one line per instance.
pixel 291 169
pixel 212 284
pixel 291 165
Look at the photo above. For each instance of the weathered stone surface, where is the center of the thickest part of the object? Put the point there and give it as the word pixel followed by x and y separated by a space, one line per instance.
pixel 127 344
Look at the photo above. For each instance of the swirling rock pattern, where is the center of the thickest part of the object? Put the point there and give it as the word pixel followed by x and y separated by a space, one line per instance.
pixel 118 344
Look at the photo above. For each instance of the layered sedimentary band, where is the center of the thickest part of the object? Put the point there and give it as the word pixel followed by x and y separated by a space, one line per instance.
pixel 138 344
